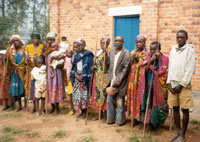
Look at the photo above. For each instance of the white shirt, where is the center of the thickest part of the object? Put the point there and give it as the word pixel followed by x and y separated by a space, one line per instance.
pixel 115 64
pixel 181 65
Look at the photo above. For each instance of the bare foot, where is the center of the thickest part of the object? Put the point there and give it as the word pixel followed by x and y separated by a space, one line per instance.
pixel 180 139
pixel 19 109
pixel 37 114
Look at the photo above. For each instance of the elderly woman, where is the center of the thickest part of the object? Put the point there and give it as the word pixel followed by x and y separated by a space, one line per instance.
pixel 55 84
pixel 80 77
pixel 138 55
pixel 17 61
pixel 99 95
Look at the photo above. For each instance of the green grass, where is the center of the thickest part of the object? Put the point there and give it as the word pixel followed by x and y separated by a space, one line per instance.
pixel 195 122
pixel 13 130
pixel 6 138
pixel 12 115
pixel 86 131
pixel 32 134
pixel 59 134
pixel 46 119
pixel 138 138
pixel 87 139
pixel 119 130
pixel 64 110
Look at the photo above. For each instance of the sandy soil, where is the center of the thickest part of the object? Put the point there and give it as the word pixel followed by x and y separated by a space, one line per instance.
pixel 77 131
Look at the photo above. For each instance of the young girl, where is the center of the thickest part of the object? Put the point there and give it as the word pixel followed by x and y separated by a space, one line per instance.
pixel 39 75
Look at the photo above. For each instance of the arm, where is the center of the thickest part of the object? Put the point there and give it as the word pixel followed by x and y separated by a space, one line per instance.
pixel 126 64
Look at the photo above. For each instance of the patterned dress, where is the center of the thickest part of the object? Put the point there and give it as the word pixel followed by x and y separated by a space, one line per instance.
pixel 16 85
pixel 99 95
pixel 133 95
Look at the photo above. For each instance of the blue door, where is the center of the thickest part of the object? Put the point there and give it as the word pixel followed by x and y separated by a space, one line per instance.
pixel 128 27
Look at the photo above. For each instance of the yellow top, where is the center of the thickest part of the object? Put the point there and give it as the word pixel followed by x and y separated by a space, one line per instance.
pixel 31 50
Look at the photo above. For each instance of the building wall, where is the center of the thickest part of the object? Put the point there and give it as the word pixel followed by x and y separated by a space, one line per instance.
pixel 159 20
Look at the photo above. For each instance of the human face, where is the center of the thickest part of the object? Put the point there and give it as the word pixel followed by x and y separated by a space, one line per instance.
pixel 16 42
pixel 140 44
pixel 119 41
pixel 103 44
pixel 181 39
pixel 81 46
pixel 153 49
pixel 75 47
pixel 35 40
pixel 50 40
pixel 39 63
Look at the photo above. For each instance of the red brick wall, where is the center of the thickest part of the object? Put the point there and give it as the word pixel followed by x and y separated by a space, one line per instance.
pixel 89 19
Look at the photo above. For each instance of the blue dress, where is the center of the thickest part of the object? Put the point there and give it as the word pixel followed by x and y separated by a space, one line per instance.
pixel 16 85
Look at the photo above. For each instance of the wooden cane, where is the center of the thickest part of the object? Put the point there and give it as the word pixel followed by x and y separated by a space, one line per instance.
pixel 27 90
pixel 134 68
pixel 90 89
pixel 47 92
pixel 144 128
pixel 5 69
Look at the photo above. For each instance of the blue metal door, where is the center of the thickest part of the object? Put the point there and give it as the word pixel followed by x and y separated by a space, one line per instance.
pixel 128 27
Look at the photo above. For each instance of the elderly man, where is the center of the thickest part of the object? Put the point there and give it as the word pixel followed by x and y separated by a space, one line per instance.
pixel 119 63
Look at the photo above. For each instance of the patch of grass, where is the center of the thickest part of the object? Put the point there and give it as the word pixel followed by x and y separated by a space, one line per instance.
pixel 13 115
pixel 87 139
pixel 32 134
pixel 60 134
pixel 64 110
pixel 86 131
pixel 197 127
pixel 6 138
pixel 13 130
pixel 195 122
pixel 138 138
pixel 46 119
pixel 119 130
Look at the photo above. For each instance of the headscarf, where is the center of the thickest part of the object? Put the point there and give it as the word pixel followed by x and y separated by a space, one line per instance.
pixel 52 35
pixel 12 47
pixel 107 38
pixel 141 37
pixel 35 35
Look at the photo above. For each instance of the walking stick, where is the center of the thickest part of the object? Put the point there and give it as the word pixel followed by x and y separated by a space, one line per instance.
pixel 144 129
pixel 27 91
pixel 132 98
pixel 5 69
pixel 47 94
pixel 90 89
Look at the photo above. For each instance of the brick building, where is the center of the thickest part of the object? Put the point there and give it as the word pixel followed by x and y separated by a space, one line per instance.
pixel 156 19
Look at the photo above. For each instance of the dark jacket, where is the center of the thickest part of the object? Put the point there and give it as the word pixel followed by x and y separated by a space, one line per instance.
pixel 121 71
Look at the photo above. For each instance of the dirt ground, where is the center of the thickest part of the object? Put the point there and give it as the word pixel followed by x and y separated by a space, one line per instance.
pixel 16 127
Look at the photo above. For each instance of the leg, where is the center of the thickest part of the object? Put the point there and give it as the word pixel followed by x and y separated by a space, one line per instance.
pixel 42 105
pixel 57 109
pixel 37 106
pixel 52 108
pixel 6 105
pixel 185 121
pixel 12 106
pixel 111 109
pixel 34 107
pixel 20 104
pixel 84 111
pixel 121 116
pixel 177 123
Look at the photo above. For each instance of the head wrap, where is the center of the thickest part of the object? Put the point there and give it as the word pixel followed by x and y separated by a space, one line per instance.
pixel 141 37
pixel 35 35
pixel 13 51
pixel 51 35
pixel 16 36
pixel 107 39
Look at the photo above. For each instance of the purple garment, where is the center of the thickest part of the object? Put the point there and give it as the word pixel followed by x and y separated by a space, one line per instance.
pixel 55 84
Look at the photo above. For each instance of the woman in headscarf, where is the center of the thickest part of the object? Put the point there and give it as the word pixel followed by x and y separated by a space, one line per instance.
pixel 133 94
pixel 55 84
pixel 17 61
pixel 80 77
pixel 32 50
pixel 99 95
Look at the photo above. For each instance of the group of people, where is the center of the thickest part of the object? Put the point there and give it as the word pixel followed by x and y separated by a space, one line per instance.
pixel 143 83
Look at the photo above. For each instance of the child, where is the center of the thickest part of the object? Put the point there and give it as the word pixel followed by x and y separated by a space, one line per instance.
pixel 56 56
pixel 39 75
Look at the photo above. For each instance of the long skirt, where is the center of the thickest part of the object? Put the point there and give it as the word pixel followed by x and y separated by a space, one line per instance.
pixel 80 97
pixel 5 92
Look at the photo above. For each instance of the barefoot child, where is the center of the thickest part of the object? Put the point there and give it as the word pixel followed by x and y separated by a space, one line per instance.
pixel 39 75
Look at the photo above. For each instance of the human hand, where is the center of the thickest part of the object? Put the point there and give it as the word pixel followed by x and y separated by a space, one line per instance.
pixel 170 88
pixel 178 89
